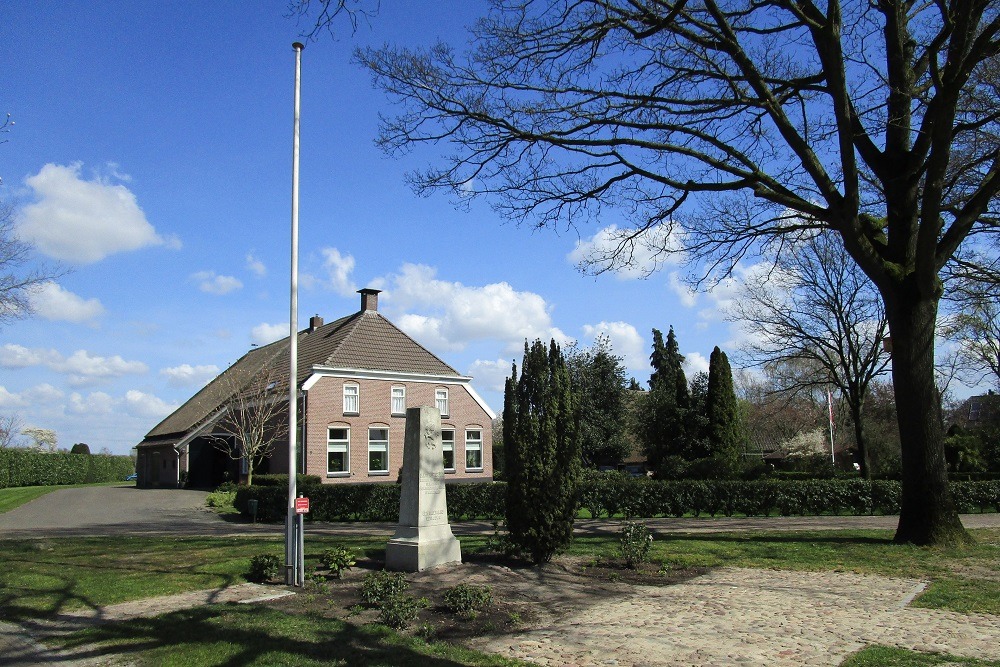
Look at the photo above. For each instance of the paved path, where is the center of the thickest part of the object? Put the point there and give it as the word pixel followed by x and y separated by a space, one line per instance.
pixel 753 617
pixel 109 510
pixel 126 510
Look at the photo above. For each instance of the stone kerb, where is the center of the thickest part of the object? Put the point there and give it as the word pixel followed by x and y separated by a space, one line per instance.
pixel 423 538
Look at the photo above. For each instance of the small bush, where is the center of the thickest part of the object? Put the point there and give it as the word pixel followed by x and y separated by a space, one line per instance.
pixel 467 599
pixel 635 542
pixel 398 611
pixel 337 560
pixel 377 587
pixel 263 568
pixel 221 499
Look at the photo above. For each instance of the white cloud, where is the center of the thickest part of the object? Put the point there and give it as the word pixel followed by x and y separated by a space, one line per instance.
pixel 256 266
pixel 9 399
pixel 688 297
pixel 81 221
pixel 81 366
pixel 455 314
pixel 339 267
pixel 52 302
pixel 265 333
pixel 490 375
pixel 211 283
pixel 43 393
pixel 18 356
pixel 625 342
pixel 629 258
pixel 140 404
pixel 84 368
pixel 187 375
pixel 694 362
pixel 96 403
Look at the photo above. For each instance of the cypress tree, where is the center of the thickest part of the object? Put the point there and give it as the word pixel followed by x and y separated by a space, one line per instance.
pixel 675 360
pixel 543 453
pixel 725 436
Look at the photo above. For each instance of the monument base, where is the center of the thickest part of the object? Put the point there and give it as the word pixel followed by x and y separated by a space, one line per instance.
pixel 413 549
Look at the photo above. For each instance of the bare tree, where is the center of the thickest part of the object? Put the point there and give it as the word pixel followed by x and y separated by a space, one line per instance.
pixel 256 415
pixel 18 277
pixel 817 307
pixel 10 429
pixel 975 327
pixel 723 127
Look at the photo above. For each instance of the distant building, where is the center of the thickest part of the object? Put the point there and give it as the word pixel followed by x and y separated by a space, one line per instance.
pixel 356 377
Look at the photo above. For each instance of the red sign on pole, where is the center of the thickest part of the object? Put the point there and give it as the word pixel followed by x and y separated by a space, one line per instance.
pixel 302 506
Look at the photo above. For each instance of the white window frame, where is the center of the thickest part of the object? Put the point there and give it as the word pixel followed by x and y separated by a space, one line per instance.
pixel 448 446
pixel 474 445
pixel 341 444
pixel 378 446
pixel 352 399
pixel 441 401
pixel 397 401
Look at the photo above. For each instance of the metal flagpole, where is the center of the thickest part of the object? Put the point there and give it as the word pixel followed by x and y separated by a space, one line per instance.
pixel 829 403
pixel 293 526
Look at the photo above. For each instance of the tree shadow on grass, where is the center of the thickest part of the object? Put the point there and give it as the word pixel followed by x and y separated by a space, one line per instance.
pixel 234 635
pixel 781 538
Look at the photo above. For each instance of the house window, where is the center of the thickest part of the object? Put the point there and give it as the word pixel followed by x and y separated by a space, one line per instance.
pixel 351 404
pixel 473 449
pixel 441 401
pixel 448 449
pixel 398 401
pixel 338 451
pixel 378 450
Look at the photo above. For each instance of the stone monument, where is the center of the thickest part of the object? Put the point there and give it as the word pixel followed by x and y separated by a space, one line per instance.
pixel 423 538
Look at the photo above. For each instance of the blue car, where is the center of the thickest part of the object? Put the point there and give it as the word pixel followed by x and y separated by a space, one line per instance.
pixel 131 478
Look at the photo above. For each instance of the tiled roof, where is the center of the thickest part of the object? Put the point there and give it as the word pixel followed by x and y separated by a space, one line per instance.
pixel 362 341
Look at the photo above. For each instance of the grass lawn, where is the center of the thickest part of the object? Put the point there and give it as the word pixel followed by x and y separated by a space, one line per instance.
pixel 885 656
pixel 17 496
pixel 242 635
pixel 44 577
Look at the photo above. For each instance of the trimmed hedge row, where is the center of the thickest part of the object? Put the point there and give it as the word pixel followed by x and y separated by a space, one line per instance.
pixel 369 502
pixel 27 467
pixel 613 494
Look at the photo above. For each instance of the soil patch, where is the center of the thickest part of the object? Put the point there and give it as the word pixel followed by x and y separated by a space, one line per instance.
pixel 524 597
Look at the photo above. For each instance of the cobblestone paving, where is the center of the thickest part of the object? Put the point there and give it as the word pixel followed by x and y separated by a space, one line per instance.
pixel 753 617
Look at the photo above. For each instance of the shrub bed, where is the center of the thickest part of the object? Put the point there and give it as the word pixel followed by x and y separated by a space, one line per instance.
pixel 619 495
pixel 28 467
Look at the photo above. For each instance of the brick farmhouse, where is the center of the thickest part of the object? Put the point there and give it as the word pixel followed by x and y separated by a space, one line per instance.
pixel 356 377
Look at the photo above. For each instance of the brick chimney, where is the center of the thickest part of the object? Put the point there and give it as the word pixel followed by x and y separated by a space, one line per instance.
pixel 369 299
pixel 315 322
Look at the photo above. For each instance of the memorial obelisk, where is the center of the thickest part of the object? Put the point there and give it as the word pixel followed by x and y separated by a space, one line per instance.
pixel 423 537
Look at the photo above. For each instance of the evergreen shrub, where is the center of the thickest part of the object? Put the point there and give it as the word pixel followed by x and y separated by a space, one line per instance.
pixel 28 467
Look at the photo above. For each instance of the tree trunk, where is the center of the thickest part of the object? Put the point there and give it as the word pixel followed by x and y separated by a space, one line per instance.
pixel 927 511
pixel 859 440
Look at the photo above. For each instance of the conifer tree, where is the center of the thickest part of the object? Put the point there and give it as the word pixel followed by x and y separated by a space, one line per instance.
pixel 725 436
pixel 661 418
pixel 540 424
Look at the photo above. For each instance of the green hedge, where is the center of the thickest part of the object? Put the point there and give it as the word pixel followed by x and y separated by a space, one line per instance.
pixel 370 502
pixel 27 467
pixel 614 494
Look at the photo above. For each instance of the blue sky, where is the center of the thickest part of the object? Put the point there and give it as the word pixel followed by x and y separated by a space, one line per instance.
pixel 151 157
